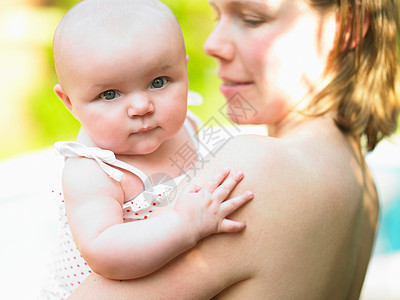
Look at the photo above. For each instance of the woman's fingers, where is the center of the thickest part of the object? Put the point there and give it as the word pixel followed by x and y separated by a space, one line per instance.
pixel 231 205
pixel 226 187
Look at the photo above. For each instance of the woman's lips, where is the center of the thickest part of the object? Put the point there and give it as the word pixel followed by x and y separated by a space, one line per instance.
pixel 229 88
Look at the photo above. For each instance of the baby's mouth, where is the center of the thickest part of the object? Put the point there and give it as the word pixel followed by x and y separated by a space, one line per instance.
pixel 144 129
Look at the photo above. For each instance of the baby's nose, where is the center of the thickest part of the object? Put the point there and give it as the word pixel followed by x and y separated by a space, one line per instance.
pixel 140 105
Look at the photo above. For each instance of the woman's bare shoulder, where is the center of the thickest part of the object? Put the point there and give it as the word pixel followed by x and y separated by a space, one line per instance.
pixel 292 236
pixel 247 150
pixel 299 198
pixel 303 167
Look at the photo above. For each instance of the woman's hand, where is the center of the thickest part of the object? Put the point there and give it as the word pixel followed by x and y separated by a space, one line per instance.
pixel 205 208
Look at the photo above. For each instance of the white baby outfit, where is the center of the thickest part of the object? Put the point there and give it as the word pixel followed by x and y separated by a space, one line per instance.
pixel 69 268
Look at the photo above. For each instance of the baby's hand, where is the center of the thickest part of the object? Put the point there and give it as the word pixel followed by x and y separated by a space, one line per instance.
pixel 205 208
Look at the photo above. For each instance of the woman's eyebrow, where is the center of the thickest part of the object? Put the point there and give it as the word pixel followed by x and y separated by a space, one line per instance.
pixel 260 6
pixel 249 4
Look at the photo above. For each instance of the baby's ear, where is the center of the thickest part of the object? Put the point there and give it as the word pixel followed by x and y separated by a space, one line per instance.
pixel 63 96
pixel 187 58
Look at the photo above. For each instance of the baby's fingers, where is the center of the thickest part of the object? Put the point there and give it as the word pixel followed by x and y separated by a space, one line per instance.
pixel 227 186
pixel 230 205
pixel 216 180
pixel 231 226
pixel 192 188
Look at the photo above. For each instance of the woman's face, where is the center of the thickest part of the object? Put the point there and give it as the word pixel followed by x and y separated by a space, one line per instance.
pixel 271 52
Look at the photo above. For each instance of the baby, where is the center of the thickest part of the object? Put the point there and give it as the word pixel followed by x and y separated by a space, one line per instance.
pixel 122 73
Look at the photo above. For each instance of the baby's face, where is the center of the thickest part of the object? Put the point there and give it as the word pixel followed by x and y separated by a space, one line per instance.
pixel 129 88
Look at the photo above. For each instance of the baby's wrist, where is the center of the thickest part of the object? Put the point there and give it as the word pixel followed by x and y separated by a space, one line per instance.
pixel 186 228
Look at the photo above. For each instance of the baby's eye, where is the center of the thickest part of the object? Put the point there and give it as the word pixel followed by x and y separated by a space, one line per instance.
pixel 109 95
pixel 159 82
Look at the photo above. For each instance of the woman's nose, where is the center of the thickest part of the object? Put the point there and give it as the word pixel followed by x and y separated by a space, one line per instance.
pixel 219 43
pixel 140 105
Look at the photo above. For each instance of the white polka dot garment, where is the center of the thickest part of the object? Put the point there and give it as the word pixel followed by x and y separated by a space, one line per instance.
pixel 68 268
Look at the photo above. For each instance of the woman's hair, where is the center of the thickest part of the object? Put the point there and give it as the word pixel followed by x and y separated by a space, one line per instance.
pixel 365 89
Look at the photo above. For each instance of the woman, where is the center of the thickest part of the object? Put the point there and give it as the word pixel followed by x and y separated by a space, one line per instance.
pixel 323 75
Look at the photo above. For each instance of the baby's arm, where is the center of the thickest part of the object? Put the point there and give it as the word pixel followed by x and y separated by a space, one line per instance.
pixel 120 250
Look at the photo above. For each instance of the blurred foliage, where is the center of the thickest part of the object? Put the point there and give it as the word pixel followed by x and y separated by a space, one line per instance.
pixel 45 117
pixel 54 122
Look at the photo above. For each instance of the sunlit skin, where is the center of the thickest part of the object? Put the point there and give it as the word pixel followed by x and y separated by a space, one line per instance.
pixel 138 115
pixel 311 226
pixel 128 87
pixel 287 50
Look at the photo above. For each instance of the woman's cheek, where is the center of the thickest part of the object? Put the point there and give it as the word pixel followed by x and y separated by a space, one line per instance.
pixel 256 49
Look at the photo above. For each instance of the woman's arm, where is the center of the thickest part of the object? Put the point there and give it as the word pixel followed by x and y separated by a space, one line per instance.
pixel 120 250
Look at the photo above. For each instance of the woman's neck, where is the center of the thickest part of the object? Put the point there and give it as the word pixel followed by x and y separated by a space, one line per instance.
pixel 314 129
pixel 291 124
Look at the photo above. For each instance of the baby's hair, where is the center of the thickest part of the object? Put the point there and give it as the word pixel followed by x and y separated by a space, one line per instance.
pixel 118 17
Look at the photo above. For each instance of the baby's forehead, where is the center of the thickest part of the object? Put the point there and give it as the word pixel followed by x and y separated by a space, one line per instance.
pixel 116 24
pixel 118 20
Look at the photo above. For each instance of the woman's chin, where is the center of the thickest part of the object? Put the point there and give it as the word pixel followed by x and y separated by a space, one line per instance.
pixel 239 120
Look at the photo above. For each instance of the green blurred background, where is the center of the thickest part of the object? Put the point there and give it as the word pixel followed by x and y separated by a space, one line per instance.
pixel 31 116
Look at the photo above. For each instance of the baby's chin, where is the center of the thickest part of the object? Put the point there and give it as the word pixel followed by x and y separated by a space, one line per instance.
pixel 138 150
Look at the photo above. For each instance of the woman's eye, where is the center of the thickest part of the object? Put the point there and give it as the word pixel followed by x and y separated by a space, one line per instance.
pixel 159 82
pixel 252 22
pixel 109 95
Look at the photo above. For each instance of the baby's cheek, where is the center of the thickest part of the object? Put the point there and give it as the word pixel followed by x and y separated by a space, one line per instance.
pixel 105 132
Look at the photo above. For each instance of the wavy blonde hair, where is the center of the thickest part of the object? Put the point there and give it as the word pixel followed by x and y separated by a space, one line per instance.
pixel 365 89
